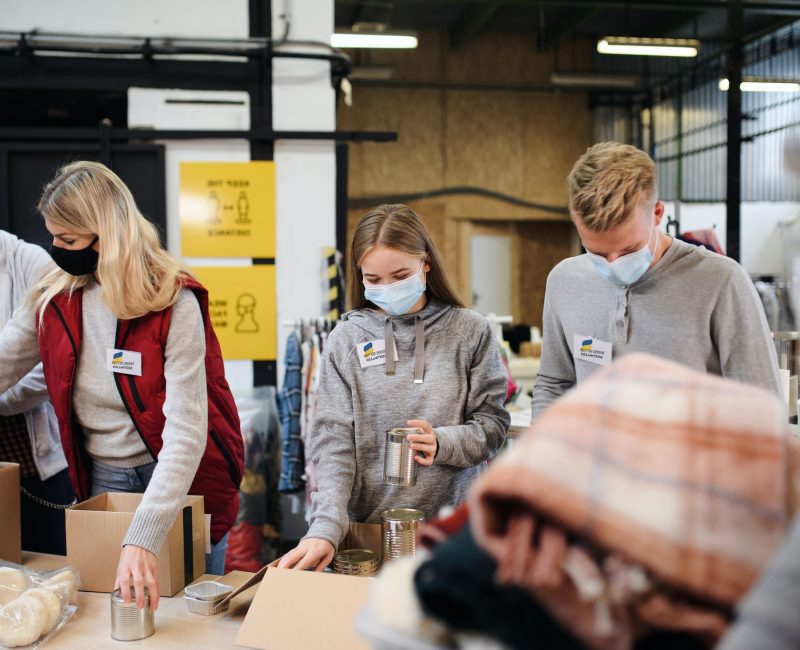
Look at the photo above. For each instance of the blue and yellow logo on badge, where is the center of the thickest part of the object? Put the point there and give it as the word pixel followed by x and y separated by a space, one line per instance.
pixel 586 345
pixel 368 350
pixel 116 358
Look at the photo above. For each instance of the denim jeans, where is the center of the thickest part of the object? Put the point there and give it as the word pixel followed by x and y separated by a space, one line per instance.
pixel 215 561
pixel 106 478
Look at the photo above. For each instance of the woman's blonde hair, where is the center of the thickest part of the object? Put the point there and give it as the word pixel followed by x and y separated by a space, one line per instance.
pixel 397 227
pixel 608 183
pixel 135 273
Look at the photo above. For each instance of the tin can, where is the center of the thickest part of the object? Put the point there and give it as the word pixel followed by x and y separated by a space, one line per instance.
pixel 399 466
pixel 400 526
pixel 128 622
pixel 356 562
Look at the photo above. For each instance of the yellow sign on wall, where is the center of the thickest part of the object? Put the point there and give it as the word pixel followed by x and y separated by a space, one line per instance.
pixel 227 209
pixel 241 302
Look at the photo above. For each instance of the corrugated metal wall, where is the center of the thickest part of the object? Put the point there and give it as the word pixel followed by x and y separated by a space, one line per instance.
pixel 613 123
pixel 770 118
pixel 689 127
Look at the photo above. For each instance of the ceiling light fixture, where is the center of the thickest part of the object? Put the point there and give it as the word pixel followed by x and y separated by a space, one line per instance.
pixel 761 85
pixel 376 40
pixel 679 47
pixel 593 80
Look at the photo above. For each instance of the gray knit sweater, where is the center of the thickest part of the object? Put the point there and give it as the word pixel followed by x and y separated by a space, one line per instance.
pixel 461 396
pixel 110 433
pixel 767 617
pixel 693 307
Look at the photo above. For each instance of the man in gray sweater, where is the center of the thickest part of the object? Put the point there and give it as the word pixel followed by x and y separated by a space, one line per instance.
pixel 639 290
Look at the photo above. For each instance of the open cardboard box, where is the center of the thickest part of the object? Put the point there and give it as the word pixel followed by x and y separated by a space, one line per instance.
pixel 11 538
pixel 97 527
pixel 296 610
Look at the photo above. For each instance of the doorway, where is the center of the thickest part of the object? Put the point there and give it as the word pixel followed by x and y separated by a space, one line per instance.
pixel 490 272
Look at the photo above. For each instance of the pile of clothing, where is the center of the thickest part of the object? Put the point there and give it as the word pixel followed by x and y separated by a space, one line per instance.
pixel 635 513
pixel 255 538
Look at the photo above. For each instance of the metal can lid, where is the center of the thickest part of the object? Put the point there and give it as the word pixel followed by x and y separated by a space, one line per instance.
pixel 208 590
pixel 786 336
pixel 403 431
pixel 402 514
pixel 356 555
pixel 116 596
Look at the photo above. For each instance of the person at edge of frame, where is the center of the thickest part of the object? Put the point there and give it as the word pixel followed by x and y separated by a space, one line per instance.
pixel 28 426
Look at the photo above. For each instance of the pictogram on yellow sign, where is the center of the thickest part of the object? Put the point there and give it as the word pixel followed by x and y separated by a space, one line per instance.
pixel 241 303
pixel 227 209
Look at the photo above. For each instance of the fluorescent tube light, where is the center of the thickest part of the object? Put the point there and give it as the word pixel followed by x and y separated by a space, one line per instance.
pixel 679 47
pixel 371 73
pixel 593 80
pixel 755 85
pixel 377 41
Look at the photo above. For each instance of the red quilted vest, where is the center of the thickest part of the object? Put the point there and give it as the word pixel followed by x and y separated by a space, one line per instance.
pixel 221 467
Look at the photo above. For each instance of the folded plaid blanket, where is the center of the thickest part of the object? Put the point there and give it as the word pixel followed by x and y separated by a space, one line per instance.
pixel 687 475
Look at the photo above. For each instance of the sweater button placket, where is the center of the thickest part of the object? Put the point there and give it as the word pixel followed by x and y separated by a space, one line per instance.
pixel 622 304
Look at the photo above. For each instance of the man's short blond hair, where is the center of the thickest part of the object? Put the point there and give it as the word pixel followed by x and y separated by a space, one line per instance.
pixel 608 183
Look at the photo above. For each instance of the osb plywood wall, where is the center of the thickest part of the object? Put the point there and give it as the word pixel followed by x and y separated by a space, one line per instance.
pixel 470 119
pixel 537 246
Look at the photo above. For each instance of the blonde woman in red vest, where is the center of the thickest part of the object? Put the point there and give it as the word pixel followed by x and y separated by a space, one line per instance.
pixel 133 368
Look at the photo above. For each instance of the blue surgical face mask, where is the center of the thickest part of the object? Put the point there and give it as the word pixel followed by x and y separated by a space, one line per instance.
pixel 626 269
pixel 396 298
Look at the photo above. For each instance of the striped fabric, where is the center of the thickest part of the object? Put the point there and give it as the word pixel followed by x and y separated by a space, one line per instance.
pixel 686 474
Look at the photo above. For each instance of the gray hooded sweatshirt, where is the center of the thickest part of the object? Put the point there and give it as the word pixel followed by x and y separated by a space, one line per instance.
pixel 461 394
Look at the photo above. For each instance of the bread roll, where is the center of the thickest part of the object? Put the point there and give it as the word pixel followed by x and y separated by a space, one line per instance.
pixel 12 583
pixel 22 622
pixel 65 584
pixel 52 605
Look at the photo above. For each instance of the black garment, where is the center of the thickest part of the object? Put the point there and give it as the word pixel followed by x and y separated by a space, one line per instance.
pixel 457 587
pixel 42 506
pixel 42 503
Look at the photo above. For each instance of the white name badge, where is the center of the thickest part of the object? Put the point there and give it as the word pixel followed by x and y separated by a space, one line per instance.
pixel 124 362
pixel 373 353
pixel 588 348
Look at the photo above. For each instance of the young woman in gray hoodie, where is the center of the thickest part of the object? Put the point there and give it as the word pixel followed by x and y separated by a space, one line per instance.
pixel 446 378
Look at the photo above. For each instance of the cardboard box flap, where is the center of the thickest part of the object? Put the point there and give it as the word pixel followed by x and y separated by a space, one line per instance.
pixel 297 610
pixel 11 539
pixel 256 577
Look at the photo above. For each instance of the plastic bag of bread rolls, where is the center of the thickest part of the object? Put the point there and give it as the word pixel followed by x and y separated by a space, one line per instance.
pixel 34 605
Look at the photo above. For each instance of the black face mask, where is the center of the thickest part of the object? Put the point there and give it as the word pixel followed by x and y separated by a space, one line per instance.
pixel 76 262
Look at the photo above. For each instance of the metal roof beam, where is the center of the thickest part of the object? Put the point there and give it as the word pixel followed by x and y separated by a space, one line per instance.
pixel 674 23
pixel 565 25
pixel 471 23
pixel 785 7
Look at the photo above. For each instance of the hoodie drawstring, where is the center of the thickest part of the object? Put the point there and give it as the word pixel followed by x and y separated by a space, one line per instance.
pixel 419 348
pixel 388 336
